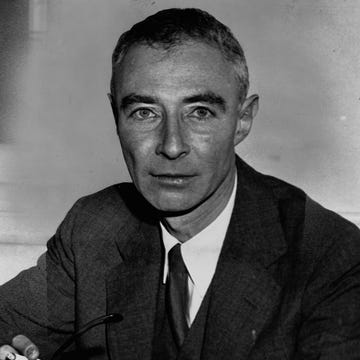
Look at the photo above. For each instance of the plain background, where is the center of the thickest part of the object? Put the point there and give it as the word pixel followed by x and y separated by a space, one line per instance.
pixel 58 139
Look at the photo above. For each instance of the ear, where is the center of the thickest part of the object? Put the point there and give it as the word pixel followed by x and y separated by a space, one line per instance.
pixel 114 110
pixel 247 112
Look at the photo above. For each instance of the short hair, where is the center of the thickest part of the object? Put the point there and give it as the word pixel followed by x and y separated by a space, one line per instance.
pixel 171 27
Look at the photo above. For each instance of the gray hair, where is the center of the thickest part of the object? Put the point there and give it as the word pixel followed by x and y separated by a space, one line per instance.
pixel 171 27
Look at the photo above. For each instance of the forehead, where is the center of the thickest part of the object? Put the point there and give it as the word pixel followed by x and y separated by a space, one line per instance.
pixel 189 67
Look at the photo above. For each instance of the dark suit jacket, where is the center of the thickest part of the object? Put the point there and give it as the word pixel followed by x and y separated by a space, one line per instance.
pixel 287 284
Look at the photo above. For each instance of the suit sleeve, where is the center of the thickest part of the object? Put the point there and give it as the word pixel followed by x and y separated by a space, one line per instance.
pixel 331 303
pixel 39 302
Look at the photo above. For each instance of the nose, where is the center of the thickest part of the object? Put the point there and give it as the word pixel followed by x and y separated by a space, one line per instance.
pixel 173 142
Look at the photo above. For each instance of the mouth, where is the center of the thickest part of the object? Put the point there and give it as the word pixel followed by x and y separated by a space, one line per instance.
pixel 173 179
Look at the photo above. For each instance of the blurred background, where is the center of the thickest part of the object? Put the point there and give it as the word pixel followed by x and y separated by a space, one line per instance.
pixel 57 134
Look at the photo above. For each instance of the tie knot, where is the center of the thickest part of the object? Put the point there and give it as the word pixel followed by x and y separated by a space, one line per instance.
pixel 176 262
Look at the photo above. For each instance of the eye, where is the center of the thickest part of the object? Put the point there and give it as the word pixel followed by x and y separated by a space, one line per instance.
pixel 143 114
pixel 202 113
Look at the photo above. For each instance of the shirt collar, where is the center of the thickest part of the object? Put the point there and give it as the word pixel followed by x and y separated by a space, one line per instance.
pixel 201 252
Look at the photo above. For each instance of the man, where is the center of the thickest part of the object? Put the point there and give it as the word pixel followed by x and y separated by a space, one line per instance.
pixel 202 256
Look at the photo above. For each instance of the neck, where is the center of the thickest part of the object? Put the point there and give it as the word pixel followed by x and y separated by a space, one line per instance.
pixel 186 226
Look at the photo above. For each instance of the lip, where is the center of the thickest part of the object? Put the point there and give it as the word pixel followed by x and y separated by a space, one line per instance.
pixel 173 179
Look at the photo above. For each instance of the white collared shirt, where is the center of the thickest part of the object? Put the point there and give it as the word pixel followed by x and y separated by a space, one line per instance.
pixel 200 255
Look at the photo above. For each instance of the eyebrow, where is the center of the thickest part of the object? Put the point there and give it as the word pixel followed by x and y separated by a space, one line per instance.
pixel 133 98
pixel 207 97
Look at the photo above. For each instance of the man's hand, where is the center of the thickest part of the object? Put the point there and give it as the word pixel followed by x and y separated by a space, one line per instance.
pixel 20 345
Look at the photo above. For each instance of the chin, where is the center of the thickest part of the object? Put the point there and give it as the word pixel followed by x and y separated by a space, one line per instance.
pixel 174 206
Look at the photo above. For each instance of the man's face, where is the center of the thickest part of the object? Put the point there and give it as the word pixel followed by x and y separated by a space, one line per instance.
pixel 178 115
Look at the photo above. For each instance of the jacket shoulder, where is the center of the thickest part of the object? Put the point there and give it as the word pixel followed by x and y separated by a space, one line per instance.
pixel 330 229
pixel 104 206
pixel 117 209
pixel 322 227
pixel 117 202
pixel 307 225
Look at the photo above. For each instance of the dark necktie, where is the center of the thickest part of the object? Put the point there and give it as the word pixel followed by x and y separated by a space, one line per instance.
pixel 177 295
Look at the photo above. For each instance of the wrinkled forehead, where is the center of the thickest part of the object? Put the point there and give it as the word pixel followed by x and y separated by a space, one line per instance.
pixel 143 52
pixel 186 65
pixel 168 48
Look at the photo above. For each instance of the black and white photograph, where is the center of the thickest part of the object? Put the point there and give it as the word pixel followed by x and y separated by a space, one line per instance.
pixel 179 179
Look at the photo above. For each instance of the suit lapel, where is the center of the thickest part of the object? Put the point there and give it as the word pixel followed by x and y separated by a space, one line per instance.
pixel 132 289
pixel 244 292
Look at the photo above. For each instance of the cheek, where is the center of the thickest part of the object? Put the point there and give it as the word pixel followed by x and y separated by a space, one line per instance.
pixel 136 150
pixel 215 148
